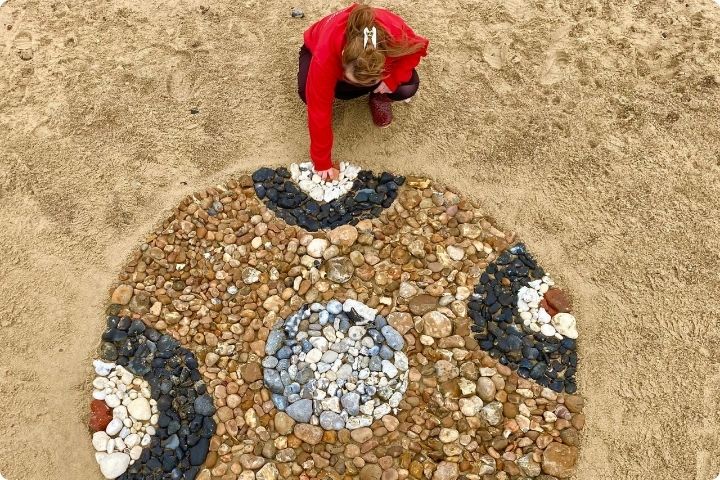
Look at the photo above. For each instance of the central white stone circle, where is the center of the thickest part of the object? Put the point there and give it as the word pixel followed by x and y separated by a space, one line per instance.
pixel 338 365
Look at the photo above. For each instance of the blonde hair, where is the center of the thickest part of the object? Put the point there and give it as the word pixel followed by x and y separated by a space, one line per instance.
pixel 368 62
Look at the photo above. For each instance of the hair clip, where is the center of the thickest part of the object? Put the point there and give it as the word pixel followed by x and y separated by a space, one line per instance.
pixel 372 34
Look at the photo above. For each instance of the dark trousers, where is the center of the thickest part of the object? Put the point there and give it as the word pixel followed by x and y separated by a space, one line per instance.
pixel 347 91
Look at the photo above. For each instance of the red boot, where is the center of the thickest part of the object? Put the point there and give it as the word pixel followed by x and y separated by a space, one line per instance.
pixel 381 110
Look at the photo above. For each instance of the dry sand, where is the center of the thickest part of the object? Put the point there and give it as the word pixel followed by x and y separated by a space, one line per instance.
pixel 591 127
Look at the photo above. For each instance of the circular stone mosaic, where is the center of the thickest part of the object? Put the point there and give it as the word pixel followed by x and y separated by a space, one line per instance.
pixel 390 332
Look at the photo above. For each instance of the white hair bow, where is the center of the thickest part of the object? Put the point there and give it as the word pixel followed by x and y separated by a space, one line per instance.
pixel 372 34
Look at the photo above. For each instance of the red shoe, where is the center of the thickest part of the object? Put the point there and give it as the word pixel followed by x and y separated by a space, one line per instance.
pixel 381 109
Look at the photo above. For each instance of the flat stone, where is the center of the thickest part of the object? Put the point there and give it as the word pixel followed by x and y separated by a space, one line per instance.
pixel 331 421
pixel 422 304
pixel 437 324
pixel 300 411
pixel 446 471
pixel 361 435
pixel 140 409
pixel 251 462
pixel 559 460
pixel 351 403
pixel 100 415
pixel 339 269
pixel 392 337
pixel 114 464
pixel 557 299
pixel 401 321
pixel 203 405
pixel 370 472
pixel 309 434
pixel 252 372
pixel 268 472
pixel 122 295
pixel 492 413
pixel 448 435
pixel 317 247
pixel 486 389
pixel 344 235
pixel 283 423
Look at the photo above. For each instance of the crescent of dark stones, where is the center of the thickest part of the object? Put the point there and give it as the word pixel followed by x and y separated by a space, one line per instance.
pixel 185 424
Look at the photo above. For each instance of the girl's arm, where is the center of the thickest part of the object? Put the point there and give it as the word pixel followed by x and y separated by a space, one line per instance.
pixel 319 95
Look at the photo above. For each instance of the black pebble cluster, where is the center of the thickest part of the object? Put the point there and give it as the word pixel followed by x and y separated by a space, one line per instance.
pixel 500 330
pixel 369 196
pixel 185 426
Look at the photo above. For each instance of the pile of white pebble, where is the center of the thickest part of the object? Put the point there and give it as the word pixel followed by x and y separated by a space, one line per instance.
pixel 310 182
pixel 135 415
pixel 561 325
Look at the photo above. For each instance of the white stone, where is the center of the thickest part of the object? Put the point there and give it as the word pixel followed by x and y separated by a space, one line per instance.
pixel 120 412
pixel 99 383
pixel 358 421
pixel 313 356
pixel 456 253
pixel 102 368
pixel 448 435
pixel 381 410
pixel 115 464
pixel 356 333
pixel 132 439
pixel 363 310
pixel 112 400
pixel 566 325
pixel 470 406
pixel 100 440
pixel 547 330
pixel 311 183
pixel 317 247
pixel 114 427
pixel 136 452
pixel 139 409
pixel 389 369
pixel 119 444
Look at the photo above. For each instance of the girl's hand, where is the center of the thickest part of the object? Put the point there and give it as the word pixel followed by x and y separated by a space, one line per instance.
pixel 329 175
pixel 382 88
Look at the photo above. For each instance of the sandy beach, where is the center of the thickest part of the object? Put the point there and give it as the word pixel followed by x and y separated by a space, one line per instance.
pixel 590 128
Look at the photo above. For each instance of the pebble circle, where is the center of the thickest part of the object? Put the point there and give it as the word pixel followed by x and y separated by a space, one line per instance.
pixel 461 349
pixel 336 365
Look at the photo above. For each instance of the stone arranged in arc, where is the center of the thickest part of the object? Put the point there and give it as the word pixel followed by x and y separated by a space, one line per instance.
pixel 185 425
pixel 310 182
pixel 546 357
pixel 367 198
pixel 336 365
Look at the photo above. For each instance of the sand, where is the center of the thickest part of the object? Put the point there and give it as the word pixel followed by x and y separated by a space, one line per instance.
pixel 592 128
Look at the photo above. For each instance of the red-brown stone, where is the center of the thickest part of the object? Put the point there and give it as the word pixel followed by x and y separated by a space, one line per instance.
pixel 557 299
pixel 550 310
pixel 100 415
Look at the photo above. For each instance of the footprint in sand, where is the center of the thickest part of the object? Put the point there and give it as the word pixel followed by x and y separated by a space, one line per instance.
pixel 23 45
pixel 181 81
pixel 554 68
